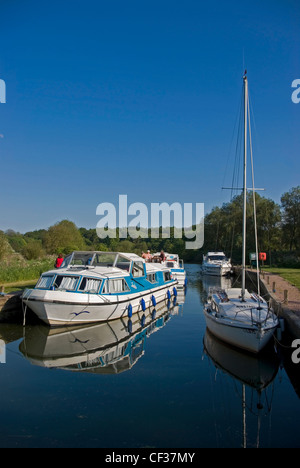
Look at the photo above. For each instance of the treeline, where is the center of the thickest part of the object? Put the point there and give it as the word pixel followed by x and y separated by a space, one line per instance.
pixel 278 228
pixel 278 234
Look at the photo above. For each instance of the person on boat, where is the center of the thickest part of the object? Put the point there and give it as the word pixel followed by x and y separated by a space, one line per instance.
pixel 162 256
pixel 59 261
pixel 147 256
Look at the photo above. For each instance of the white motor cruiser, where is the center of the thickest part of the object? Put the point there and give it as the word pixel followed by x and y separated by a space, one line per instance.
pixel 216 264
pixel 175 264
pixel 98 286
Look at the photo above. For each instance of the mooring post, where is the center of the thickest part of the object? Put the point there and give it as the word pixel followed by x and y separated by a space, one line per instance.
pixel 274 287
pixel 285 296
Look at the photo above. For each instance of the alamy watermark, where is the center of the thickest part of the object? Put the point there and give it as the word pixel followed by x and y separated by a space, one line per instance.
pixel 2 92
pixel 296 353
pixel 2 352
pixel 296 93
pixel 136 220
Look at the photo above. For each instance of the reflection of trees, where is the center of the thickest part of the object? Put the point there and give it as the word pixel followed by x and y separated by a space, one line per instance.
pixel 194 277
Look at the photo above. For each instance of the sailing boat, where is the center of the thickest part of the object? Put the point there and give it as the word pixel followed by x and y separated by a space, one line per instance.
pixel 241 318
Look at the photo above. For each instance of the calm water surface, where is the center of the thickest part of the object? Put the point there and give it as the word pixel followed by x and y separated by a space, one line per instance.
pixel 159 381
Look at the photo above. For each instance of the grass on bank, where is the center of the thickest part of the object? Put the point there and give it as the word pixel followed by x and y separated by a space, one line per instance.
pixel 19 286
pixel 292 275
pixel 23 275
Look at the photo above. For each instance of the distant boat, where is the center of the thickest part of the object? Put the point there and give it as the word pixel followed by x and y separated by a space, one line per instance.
pixel 216 264
pixel 236 316
pixel 93 287
pixel 176 266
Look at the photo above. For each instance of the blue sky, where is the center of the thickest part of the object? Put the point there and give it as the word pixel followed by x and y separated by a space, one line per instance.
pixel 140 98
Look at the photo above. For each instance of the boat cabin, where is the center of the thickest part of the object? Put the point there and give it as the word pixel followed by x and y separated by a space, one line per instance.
pixel 103 273
pixel 216 257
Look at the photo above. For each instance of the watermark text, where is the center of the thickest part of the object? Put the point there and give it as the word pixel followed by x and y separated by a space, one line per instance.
pixel 136 220
pixel 296 353
pixel 296 93
pixel 2 352
pixel 2 92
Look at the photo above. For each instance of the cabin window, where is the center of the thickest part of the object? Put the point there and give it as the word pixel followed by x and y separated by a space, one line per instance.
pixel 66 283
pixel 167 276
pixel 90 285
pixel 214 258
pixel 82 259
pixel 45 282
pixel 115 286
pixel 170 264
pixel 104 259
pixel 151 277
pixel 123 263
pixel 137 269
pixel 66 261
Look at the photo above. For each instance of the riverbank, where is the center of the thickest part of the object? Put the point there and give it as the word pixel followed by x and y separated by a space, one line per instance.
pixel 11 307
pixel 283 296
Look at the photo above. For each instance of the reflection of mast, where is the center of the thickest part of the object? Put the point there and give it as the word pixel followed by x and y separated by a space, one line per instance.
pixel 244 418
pixel 255 372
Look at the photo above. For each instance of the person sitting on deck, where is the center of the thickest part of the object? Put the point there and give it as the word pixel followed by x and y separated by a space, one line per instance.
pixel 59 261
pixel 147 256
pixel 162 256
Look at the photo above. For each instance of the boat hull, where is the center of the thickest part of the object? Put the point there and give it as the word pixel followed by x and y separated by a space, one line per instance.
pixel 180 276
pixel 217 270
pixel 55 310
pixel 251 339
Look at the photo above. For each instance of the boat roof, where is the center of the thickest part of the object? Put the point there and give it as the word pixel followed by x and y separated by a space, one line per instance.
pixel 129 256
pixel 215 253
pixel 114 270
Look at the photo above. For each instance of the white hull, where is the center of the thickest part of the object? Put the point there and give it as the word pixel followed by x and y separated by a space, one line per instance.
pixel 55 308
pixel 180 277
pixel 249 338
pixel 216 270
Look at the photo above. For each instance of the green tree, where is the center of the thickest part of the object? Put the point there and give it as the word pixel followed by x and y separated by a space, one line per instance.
pixel 16 240
pixel 33 250
pixel 223 226
pixel 290 202
pixel 3 245
pixel 63 237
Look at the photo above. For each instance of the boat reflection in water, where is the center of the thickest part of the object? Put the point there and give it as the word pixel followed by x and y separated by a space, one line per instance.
pixel 106 348
pixel 252 377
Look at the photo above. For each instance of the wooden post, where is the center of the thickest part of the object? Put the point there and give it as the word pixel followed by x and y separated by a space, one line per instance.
pixel 2 289
pixel 285 293
pixel 268 279
pixel 274 287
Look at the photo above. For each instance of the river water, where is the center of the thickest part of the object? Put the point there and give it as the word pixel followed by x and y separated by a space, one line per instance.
pixel 158 381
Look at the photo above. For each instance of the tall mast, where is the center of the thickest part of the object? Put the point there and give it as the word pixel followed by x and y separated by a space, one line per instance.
pixel 245 186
